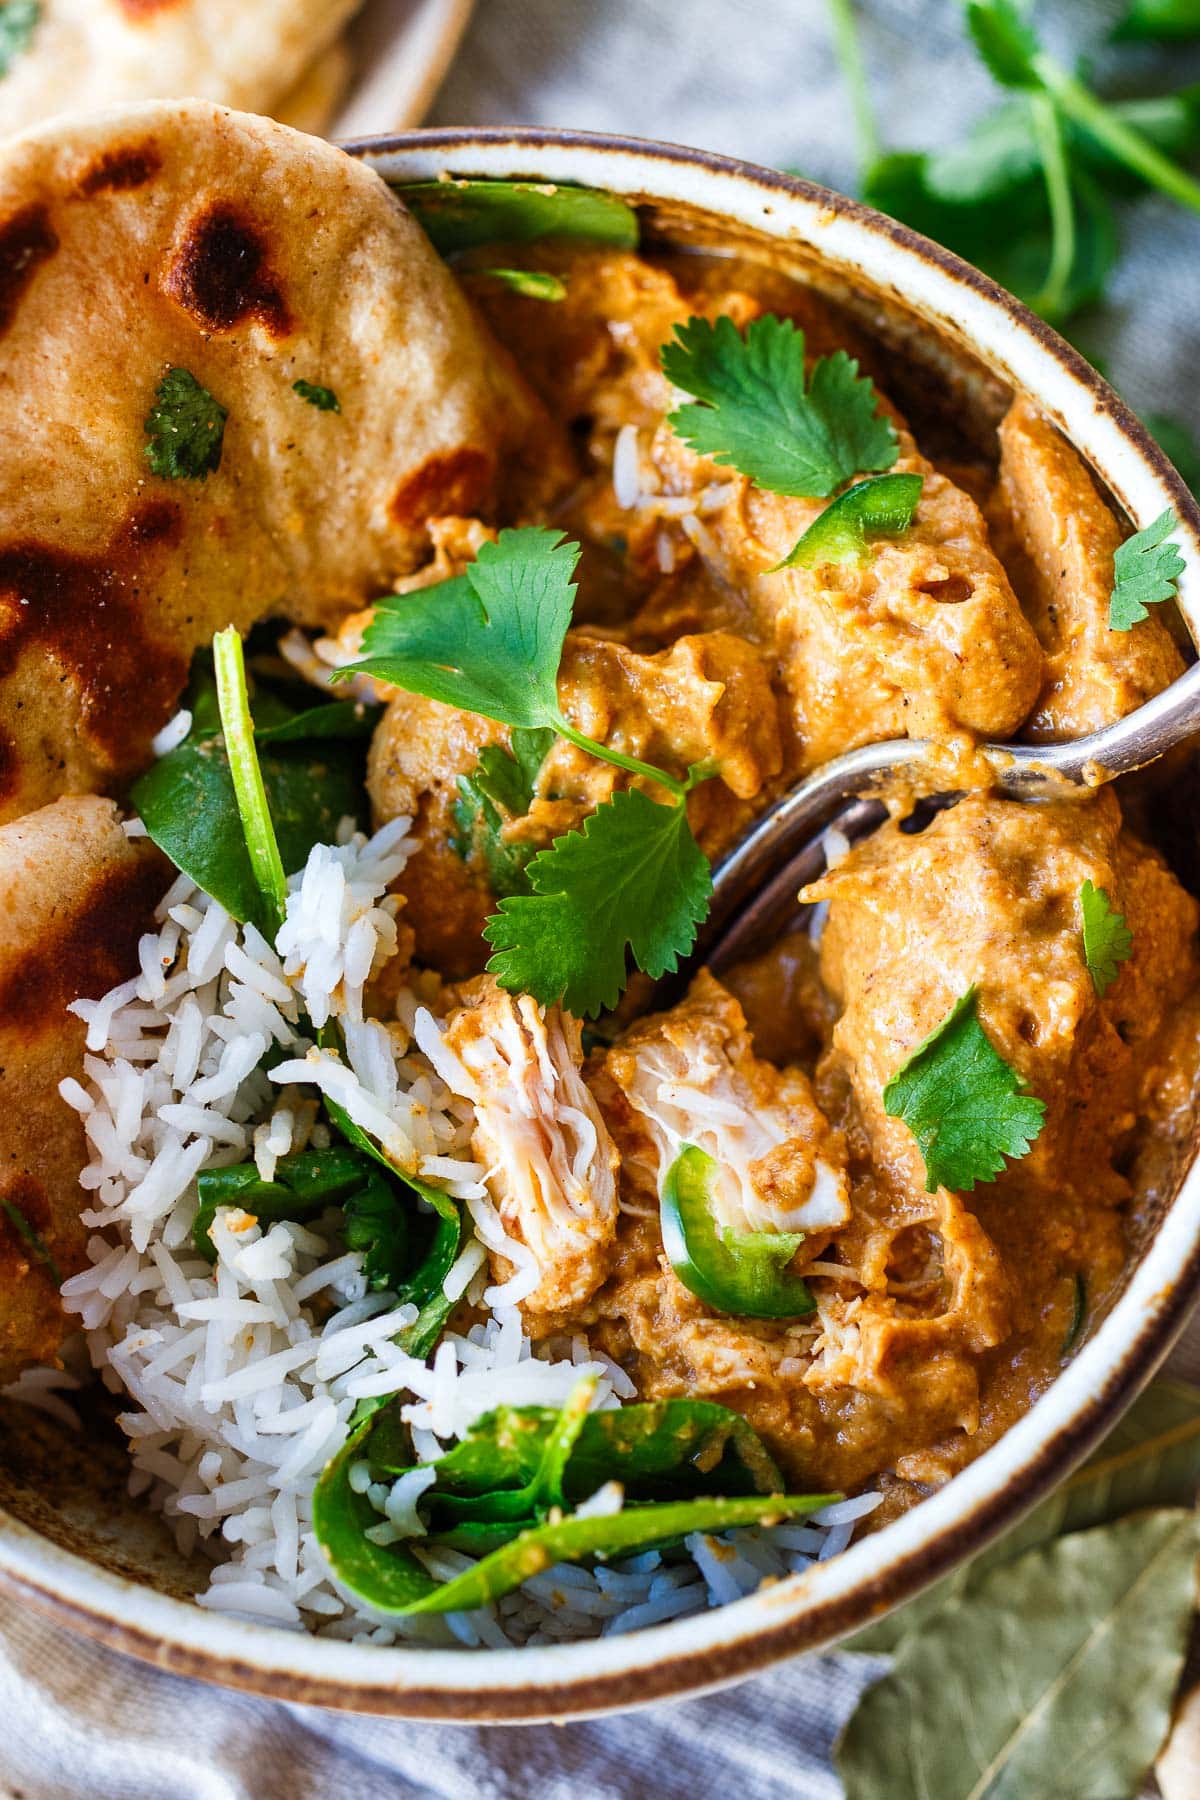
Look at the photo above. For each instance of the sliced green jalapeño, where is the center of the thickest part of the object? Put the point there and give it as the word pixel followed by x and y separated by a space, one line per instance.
pixel 744 1273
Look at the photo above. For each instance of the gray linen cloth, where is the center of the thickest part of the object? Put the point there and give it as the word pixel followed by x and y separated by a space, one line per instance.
pixel 757 79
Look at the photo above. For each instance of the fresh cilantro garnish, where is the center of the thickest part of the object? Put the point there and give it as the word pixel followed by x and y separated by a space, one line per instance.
pixel 500 788
pixel 31 1237
pixel 963 1103
pixel 1146 571
pixel 1161 19
pixel 1027 196
pixel 186 428
pixel 755 409
pixel 490 641
pixel 883 506
pixel 1005 40
pixel 1107 940
pixel 533 284
pixel 323 398
pixel 18 21
pixel 633 877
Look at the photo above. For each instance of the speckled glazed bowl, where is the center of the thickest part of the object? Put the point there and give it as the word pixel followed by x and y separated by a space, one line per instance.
pixel 71 1543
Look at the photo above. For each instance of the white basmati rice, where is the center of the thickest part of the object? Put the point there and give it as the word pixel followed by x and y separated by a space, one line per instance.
pixel 244 1372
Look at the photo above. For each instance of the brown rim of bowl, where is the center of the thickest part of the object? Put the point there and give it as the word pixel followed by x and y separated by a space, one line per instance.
pixel 256 1658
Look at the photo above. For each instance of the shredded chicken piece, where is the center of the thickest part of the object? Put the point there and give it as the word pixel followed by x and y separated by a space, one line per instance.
pixel 690 1076
pixel 552 1166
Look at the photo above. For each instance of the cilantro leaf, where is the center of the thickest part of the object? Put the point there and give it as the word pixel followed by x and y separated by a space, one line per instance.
pixel 1161 19
pixel 460 215
pixel 1107 940
pixel 501 783
pixel 533 284
pixel 186 429
pixel 634 876
pixel 488 641
pixel 323 398
pixel 18 22
pixel 1146 571
pixel 1005 41
pixel 884 505
pixel 963 1103
pixel 755 411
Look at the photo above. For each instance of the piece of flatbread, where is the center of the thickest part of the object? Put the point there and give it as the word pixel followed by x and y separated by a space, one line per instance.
pixel 179 235
pixel 83 54
pixel 314 100
pixel 75 894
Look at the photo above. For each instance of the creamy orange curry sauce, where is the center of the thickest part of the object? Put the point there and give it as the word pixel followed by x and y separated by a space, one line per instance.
pixel 940 1316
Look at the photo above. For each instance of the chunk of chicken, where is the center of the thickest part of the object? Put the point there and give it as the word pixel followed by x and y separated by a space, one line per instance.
pixel 690 1076
pixel 922 637
pixel 988 895
pixel 552 1166
pixel 75 893
pixel 1059 538
pixel 706 699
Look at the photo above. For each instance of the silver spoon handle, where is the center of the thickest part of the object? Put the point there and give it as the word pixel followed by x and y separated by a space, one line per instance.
pixel 777 853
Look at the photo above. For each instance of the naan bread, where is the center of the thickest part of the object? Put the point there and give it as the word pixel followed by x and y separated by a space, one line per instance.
pixel 314 100
pixel 85 54
pixel 176 234
pixel 75 895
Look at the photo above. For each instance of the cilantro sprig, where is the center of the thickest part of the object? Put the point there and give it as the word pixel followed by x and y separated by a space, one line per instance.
pixel 1146 571
pixel 499 789
pixel 755 407
pixel 1028 195
pixel 963 1103
pixel 1107 940
pixel 185 428
pixel 490 641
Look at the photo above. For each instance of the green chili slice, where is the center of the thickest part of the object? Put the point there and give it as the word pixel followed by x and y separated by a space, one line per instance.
pixel 740 1273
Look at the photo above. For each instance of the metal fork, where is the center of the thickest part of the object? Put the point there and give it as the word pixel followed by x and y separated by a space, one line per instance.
pixel 756 884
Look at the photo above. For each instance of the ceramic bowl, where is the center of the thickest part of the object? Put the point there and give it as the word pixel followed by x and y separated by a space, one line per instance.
pixel 72 1544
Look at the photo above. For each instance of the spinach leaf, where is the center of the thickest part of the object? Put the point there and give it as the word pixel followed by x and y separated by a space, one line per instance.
pixel 618 1534
pixel 341 1520
pixel 378 1225
pixel 499 789
pixel 655 1449
pixel 423 1287
pixel 189 806
pixel 458 215
pixel 344 720
pixel 1057 1672
pixel 304 1185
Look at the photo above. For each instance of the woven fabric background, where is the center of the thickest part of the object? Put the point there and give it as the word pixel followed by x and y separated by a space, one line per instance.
pixel 755 78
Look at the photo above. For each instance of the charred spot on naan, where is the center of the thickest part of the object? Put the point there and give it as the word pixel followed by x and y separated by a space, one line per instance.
pixel 454 483
pixel 26 240
pixel 120 170
pixel 85 951
pixel 75 895
pixel 88 615
pixel 221 273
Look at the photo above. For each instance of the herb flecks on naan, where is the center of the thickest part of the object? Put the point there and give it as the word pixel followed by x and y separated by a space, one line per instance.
pixel 166 275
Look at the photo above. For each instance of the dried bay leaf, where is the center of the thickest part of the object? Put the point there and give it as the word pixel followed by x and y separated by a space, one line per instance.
pixel 1151 1458
pixel 1051 1679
